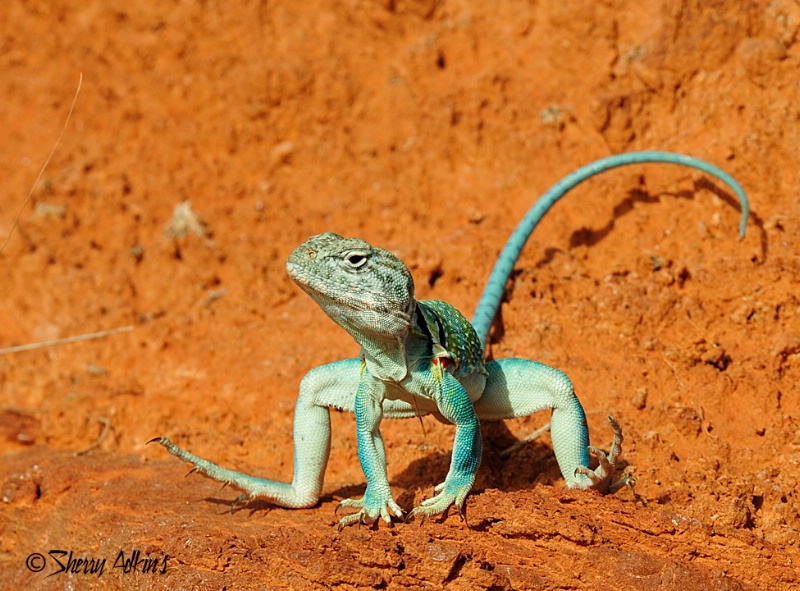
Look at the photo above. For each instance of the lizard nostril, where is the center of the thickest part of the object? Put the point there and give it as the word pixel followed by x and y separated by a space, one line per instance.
pixel 312 254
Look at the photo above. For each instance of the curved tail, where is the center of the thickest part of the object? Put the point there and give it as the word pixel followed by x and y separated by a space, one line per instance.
pixel 493 293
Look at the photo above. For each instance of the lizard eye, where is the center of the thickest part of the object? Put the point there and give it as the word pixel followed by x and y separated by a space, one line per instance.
pixel 356 259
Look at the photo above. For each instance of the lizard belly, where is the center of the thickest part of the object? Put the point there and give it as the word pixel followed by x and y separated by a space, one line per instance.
pixel 424 387
pixel 474 384
pixel 409 390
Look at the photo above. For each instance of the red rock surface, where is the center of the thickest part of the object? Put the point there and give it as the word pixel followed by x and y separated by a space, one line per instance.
pixel 427 128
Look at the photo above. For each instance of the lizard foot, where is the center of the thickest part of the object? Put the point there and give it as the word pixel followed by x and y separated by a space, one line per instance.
pixel 449 493
pixel 601 477
pixel 371 507
pixel 199 465
pixel 285 495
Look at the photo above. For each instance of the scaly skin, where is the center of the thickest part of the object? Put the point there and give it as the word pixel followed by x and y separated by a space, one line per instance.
pixel 422 358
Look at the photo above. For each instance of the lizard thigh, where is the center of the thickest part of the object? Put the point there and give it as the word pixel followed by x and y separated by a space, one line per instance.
pixel 519 387
pixel 333 385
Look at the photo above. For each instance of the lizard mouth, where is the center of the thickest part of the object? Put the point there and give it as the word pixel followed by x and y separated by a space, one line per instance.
pixel 291 270
pixel 303 280
pixel 306 282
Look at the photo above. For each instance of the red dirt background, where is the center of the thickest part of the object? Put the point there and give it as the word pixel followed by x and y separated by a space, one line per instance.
pixel 427 128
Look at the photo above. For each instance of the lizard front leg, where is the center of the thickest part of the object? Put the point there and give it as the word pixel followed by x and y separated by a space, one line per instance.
pixel 332 385
pixel 518 387
pixel 377 500
pixel 456 406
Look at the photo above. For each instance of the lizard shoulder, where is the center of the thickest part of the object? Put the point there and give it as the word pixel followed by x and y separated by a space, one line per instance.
pixel 451 335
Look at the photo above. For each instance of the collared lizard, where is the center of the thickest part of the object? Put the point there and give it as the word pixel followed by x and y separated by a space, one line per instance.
pixel 424 357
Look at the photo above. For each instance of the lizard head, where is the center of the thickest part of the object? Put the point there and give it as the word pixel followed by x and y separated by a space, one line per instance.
pixel 366 290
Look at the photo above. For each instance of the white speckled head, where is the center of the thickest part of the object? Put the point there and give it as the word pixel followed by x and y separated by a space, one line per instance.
pixel 364 289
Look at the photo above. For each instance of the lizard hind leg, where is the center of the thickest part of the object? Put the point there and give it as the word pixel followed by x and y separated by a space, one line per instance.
pixel 278 492
pixel 328 386
pixel 518 387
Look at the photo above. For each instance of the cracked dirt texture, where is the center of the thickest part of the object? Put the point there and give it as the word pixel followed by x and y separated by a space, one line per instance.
pixel 427 128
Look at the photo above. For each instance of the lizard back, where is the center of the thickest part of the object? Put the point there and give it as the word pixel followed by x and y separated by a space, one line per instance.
pixel 451 336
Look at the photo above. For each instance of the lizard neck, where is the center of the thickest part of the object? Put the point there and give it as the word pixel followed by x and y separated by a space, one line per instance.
pixel 385 359
pixel 383 346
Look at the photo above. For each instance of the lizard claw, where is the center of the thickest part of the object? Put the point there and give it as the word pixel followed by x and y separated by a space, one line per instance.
pixel 601 477
pixel 238 501
pixel 368 512
pixel 448 494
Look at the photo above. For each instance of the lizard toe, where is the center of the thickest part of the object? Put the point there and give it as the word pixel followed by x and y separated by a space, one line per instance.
pixel 369 512
pixel 601 478
pixel 448 494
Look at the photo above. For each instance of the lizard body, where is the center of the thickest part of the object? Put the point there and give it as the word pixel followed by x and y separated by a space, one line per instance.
pixel 424 357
